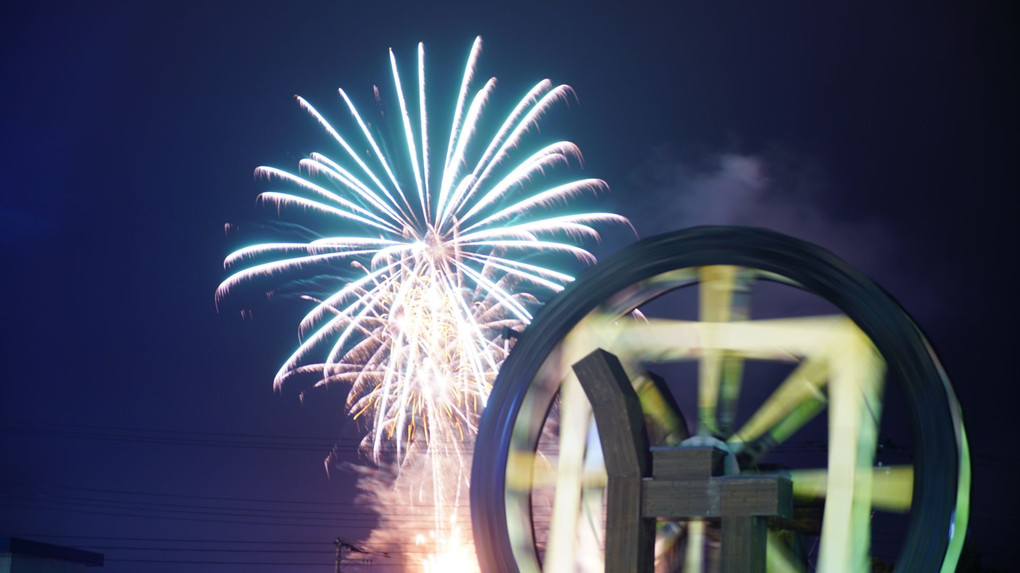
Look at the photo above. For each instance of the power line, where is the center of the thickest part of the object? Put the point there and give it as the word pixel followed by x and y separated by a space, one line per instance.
pixel 394 550
pixel 422 521
pixel 204 562
pixel 157 506
pixel 213 550
pixel 173 540
pixel 294 443
pixel 203 438
pixel 340 504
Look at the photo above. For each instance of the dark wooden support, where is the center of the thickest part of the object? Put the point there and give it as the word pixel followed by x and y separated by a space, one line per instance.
pixel 697 463
pixel 681 482
pixel 630 538
pixel 743 543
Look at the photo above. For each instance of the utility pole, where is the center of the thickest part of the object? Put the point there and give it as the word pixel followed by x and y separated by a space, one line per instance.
pixel 342 544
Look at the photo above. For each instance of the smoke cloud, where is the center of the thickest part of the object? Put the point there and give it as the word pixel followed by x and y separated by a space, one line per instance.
pixel 775 189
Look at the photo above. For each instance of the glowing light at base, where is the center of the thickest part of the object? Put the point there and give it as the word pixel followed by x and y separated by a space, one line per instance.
pixel 451 553
pixel 438 255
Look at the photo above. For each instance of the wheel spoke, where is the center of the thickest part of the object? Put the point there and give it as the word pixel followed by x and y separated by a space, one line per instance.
pixel 575 417
pixel 694 550
pixel 715 304
pixel 591 527
pixel 668 549
pixel 729 392
pixel 664 421
pixel 796 401
pixel 892 487
pixel 664 340
pixel 779 559
pixel 854 389
pixel 733 364
pixel 719 372
pixel 527 471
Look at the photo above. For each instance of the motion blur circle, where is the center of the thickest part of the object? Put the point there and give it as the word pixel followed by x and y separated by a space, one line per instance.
pixel 526 394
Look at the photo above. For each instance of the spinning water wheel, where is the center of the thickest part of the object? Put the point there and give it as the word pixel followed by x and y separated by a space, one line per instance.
pixel 857 370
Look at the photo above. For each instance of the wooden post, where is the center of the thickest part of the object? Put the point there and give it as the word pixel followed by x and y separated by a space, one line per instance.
pixel 630 538
pixel 743 543
pixel 680 482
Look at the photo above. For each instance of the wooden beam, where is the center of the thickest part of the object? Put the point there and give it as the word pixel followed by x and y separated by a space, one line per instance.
pixel 630 538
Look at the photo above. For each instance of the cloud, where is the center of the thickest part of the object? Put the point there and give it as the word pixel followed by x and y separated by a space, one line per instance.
pixel 775 190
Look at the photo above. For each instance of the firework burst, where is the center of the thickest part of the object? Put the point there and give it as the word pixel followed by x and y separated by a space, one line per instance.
pixel 445 254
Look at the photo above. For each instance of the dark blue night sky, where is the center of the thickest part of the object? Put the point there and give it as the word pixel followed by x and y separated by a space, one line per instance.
pixel 133 414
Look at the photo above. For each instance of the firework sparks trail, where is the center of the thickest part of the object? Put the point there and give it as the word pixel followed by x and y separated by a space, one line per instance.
pixel 442 265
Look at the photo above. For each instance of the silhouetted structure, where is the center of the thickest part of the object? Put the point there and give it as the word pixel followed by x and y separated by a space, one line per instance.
pixel 24 556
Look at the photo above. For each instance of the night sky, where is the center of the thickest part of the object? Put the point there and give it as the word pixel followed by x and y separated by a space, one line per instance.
pixel 134 414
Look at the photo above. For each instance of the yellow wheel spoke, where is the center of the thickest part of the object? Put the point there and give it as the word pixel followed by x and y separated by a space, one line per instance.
pixel 694 551
pixel 715 305
pixel 733 364
pixel 796 401
pixel 591 528
pixel 892 487
pixel 665 423
pixel 575 417
pixel 779 559
pixel 528 471
pixel 664 340
pixel 729 392
pixel 854 390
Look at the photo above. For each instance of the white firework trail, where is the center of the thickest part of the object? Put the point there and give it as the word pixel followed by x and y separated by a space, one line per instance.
pixel 446 260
